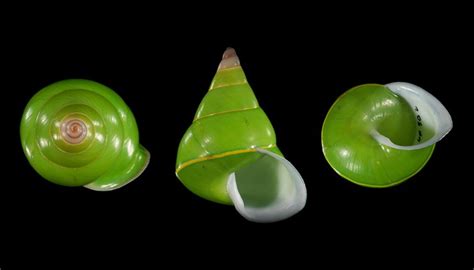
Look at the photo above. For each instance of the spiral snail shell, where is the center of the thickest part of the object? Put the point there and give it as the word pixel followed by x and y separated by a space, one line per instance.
pixel 81 133
pixel 229 154
pixel 381 135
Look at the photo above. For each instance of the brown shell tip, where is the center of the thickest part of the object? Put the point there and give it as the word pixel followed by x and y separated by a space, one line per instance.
pixel 229 52
pixel 229 59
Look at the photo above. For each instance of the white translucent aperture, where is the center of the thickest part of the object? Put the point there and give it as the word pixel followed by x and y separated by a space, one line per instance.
pixel 267 190
pixel 429 112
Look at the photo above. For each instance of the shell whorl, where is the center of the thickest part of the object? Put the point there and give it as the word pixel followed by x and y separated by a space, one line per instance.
pixel 73 130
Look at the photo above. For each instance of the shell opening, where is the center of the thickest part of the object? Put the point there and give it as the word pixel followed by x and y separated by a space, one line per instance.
pixel 267 190
pixel 432 119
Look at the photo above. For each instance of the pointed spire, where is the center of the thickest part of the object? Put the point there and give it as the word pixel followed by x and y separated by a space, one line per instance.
pixel 229 59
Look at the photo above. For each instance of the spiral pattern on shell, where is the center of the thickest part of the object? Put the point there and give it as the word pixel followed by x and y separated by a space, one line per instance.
pixel 81 133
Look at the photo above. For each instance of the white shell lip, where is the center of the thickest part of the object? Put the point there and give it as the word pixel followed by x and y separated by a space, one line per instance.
pixel 291 196
pixel 429 109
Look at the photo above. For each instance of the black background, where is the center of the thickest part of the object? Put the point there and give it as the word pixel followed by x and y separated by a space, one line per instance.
pixel 297 67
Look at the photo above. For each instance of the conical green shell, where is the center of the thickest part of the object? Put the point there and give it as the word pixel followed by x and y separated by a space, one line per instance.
pixel 228 126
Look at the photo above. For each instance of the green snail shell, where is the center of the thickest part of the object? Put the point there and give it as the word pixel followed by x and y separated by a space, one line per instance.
pixel 381 135
pixel 229 154
pixel 81 133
